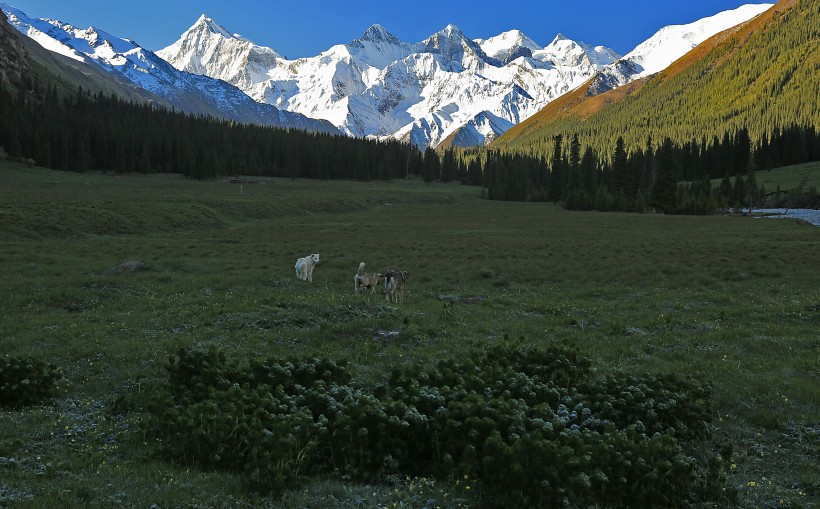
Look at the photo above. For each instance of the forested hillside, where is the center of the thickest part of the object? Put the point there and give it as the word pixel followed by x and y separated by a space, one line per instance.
pixel 759 76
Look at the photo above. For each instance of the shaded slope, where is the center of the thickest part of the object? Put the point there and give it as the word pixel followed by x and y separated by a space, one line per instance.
pixel 14 70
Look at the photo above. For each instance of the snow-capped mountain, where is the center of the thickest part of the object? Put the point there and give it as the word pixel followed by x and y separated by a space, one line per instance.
pixel 190 92
pixel 669 44
pixel 381 87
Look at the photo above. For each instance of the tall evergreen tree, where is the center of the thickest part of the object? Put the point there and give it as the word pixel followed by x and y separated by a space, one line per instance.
pixel 430 171
pixel 620 171
pixel 664 192
pixel 574 181
pixel 556 186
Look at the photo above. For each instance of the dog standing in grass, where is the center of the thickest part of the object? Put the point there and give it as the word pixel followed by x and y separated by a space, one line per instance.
pixel 366 280
pixel 394 283
pixel 304 267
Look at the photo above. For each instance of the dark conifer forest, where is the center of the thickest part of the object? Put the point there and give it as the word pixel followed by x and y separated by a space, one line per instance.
pixel 650 177
pixel 85 132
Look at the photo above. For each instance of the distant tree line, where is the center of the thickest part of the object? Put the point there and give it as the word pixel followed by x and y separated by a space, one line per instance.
pixel 582 179
pixel 85 132
pixel 81 131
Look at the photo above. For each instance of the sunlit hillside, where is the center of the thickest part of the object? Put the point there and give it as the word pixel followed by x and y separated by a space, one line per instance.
pixel 759 75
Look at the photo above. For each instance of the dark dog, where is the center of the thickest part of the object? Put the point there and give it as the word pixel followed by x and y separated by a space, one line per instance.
pixel 394 284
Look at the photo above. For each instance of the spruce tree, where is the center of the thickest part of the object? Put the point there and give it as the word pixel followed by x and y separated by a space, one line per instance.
pixel 574 163
pixel 556 187
pixel 664 192
pixel 431 166
pixel 620 170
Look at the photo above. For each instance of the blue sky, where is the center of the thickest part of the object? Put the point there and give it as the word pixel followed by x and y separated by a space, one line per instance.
pixel 300 28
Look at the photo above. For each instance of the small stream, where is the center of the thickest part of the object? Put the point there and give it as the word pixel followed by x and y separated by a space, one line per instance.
pixel 809 215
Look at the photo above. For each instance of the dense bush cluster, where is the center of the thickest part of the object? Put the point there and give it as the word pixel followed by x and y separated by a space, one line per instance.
pixel 25 381
pixel 534 427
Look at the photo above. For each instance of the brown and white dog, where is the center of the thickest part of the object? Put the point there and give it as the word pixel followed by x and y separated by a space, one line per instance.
pixel 304 267
pixel 394 283
pixel 366 280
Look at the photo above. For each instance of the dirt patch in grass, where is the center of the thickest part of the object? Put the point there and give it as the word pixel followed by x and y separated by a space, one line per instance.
pixel 128 267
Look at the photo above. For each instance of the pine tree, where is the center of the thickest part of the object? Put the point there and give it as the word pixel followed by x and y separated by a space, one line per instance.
pixel 664 192
pixel 430 169
pixel 620 171
pixel 574 163
pixel 556 187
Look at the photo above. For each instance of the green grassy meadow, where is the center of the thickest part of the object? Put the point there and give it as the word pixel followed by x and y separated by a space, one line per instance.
pixel 734 301
pixel 804 175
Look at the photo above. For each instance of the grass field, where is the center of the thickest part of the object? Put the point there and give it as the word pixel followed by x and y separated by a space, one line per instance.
pixel 806 175
pixel 790 177
pixel 733 300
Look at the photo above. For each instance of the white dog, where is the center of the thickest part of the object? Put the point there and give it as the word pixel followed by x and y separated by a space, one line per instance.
pixel 304 266
pixel 364 280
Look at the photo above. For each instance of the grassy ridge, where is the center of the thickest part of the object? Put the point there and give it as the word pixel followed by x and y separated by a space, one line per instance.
pixel 733 300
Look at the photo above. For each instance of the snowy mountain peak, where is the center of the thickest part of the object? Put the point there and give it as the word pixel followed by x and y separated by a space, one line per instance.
pixel 451 29
pixel 208 24
pixel 449 32
pixel 508 46
pixel 456 48
pixel 564 51
pixel 558 38
pixel 377 33
pixel 240 61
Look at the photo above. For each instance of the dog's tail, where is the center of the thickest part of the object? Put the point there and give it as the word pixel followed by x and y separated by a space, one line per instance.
pixel 361 269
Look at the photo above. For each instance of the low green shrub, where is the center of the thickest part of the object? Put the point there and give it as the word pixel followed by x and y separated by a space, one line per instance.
pixel 533 427
pixel 25 381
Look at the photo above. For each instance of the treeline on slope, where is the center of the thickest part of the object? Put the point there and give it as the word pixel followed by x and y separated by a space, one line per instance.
pixel 649 177
pixel 85 132
pixel 761 81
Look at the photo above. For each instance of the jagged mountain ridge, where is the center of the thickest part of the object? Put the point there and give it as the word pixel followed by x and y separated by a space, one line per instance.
pixel 381 87
pixel 127 62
